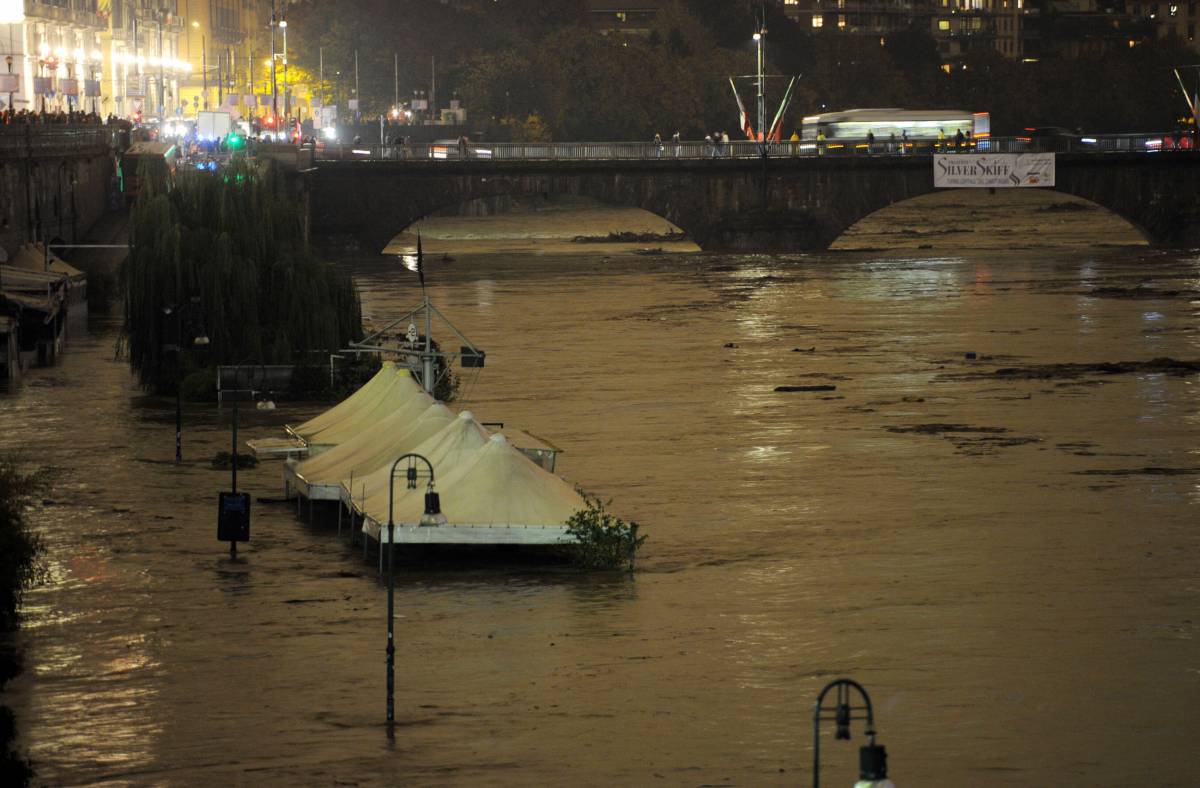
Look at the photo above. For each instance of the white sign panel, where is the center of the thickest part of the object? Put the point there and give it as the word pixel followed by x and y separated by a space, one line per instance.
pixel 992 170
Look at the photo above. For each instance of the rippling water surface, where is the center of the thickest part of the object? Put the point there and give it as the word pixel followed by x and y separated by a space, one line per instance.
pixel 1007 563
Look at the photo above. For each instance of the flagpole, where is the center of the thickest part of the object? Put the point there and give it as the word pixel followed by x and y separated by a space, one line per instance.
pixel 427 356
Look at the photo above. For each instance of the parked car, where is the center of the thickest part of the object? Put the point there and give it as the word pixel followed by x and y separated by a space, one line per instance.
pixel 1056 138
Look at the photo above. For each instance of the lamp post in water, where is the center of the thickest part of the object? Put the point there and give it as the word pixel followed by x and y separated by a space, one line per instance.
pixel 872 759
pixel 432 517
pixel 201 341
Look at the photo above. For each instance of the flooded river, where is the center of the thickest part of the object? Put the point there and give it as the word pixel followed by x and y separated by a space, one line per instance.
pixel 1006 561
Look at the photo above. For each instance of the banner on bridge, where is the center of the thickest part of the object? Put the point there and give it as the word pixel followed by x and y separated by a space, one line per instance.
pixel 992 170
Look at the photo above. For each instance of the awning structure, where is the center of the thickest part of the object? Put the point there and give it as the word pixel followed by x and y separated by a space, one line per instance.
pixel 496 495
pixel 492 492
pixel 320 477
pixel 446 449
pixel 390 390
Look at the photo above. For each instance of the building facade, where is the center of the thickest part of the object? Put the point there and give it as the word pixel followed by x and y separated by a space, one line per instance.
pixel 137 58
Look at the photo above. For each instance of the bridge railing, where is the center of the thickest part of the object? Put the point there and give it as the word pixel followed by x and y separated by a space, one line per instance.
pixel 741 149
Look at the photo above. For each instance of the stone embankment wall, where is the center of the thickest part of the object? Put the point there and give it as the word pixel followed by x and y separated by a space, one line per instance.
pixel 55 182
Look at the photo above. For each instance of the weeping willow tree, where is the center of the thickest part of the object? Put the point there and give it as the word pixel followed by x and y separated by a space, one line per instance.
pixel 228 250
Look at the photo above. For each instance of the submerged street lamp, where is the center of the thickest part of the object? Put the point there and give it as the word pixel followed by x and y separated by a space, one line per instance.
pixel 198 341
pixel 872 759
pixel 431 518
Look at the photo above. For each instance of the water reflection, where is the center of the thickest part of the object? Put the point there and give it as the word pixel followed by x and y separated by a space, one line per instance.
pixel 983 552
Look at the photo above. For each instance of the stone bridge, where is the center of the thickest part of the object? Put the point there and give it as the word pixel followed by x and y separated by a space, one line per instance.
pixel 809 201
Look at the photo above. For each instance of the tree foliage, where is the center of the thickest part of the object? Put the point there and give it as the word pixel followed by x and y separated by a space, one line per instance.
pixel 19 546
pixel 227 251
pixel 512 59
pixel 602 540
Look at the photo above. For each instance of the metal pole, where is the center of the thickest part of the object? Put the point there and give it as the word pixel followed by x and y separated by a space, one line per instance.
pixel 178 384
pixel 162 100
pixel 391 580
pixel 357 98
pixel 274 87
pixel 427 361
pixel 233 448
pixel 287 104
pixel 204 66
pixel 234 464
pixel 321 71
pixel 762 106
pixel 395 80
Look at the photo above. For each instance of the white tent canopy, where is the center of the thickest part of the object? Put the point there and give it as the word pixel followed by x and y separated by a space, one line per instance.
pixel 368 392
pixel 399 432
pixel 395 393
pixel 456 442
pixel 495 486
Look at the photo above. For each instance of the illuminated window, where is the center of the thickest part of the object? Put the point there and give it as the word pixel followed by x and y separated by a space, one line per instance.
pixel 818 20
pixel 943 24
pixel 841 21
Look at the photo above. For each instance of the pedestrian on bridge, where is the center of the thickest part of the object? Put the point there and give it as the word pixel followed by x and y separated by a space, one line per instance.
pixel 658 146
pixel 870 142
pixel 675 142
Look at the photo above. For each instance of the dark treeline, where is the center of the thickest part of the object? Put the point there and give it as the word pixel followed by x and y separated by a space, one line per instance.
pixel 512 59
pixel 20 566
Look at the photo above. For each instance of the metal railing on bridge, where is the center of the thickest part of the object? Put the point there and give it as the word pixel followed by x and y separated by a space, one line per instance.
pixel 741 149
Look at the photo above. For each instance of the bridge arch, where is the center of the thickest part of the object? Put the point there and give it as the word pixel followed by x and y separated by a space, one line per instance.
pixel 809 201
pixel 989 219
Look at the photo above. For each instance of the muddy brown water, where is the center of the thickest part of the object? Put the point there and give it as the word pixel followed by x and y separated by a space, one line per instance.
pixel 1007 563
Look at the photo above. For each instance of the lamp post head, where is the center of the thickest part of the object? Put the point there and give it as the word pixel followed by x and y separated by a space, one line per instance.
pixel 872 767
pixel 842 721
pixel 201 341
pixel 410 477
pixel 433 516
pixel 757 36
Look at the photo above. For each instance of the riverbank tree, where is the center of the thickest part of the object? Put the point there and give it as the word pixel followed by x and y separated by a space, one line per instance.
pixel 223 255
pixel 508 61
pixel 20 567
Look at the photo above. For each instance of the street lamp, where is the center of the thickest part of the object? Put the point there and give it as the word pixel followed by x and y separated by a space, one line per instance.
pixel 872 759
pixel 201 341
pixel 287 104
pixel 432 517
pixel 760 36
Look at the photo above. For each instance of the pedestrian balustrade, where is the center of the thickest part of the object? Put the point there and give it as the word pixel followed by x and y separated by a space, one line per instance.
pixel 742 149
pixel 17 139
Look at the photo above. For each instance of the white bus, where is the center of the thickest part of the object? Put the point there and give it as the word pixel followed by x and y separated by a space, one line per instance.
pixel 849 128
